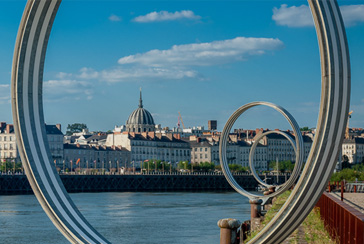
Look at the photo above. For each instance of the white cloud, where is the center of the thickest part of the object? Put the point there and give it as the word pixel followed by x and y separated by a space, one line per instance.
pixel 301 16
pixel 67 90
pixel 147 73
pixel 177 62
pixel 166 16
pixel 4 93
pixel 63 75
pixel 293 16
pixel 205 54
pixel 114 18
pixel 352 14
pixel 88 73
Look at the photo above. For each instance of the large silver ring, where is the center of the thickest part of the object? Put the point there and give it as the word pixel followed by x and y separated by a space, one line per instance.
pixel 27 107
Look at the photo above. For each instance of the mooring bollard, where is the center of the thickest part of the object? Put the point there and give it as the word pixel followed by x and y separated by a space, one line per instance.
pixel 255 212
pixel 272 189
pixel 228 231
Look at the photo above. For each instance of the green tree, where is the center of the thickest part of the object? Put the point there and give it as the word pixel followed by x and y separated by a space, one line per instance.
pixel 184 165
pixel 305 128
pixel 283 166
pixel 237 168
pixel 75 128
pixel 348 175
pixel 8 165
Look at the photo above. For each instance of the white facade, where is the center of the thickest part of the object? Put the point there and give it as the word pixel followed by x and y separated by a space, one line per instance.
pixel 94 157
pixel 8 146
pixel 207 150
pixel 354 150
pixel 144 146
pixel 278 147
pixel 8 149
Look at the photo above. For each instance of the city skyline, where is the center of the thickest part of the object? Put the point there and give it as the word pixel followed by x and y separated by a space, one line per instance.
pixel 183 55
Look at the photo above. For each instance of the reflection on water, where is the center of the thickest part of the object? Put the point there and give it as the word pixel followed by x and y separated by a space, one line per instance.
pixel 128 217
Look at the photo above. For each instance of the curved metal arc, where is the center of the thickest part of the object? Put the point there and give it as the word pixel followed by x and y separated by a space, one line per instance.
pixel 27 76
pixel 297 167
pixel 335 101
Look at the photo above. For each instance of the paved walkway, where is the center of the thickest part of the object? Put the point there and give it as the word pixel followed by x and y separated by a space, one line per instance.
pixel 355 200
pixel 296 239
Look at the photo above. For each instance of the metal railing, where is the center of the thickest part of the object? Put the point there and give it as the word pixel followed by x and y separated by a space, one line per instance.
pixel 344 222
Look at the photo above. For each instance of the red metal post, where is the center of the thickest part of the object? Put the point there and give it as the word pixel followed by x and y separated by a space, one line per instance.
pixel 354 188
pixel 329 187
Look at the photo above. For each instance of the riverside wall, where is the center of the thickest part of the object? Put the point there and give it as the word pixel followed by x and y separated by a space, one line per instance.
pixel 18 184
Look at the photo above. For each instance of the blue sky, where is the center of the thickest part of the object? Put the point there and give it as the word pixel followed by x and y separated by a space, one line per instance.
pixel 202 58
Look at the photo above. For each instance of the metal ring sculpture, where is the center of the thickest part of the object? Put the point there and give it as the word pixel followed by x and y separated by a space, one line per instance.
pixel 27 106
pixel 297 166
pixel 334 107
pixel 27 77
pixel 223 144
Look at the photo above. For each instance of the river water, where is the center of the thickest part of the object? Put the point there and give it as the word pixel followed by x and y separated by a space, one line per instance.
pixel 128 217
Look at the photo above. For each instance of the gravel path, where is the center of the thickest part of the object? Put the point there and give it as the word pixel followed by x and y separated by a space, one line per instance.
pixel 355 200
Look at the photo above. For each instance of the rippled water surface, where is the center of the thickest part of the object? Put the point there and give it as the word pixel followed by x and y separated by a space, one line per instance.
pixel 128 217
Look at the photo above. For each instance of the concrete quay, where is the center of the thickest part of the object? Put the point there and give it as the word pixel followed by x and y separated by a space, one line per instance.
pixel 18 184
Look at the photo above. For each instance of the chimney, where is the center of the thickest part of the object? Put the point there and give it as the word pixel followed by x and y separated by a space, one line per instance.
pixel 169 136
pixel 177 136
pixel 151 134
pixel 193 138
pixel 198 139
pixel 9 128
pixel 2 125
pixel 59 127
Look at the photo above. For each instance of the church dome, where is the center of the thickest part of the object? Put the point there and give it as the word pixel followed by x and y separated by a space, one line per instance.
pixel 140 116
pixel 140 120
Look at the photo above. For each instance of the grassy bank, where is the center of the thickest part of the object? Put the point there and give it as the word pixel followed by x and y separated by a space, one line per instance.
pixel 312 230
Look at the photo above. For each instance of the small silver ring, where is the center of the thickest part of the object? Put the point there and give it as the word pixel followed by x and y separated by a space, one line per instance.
pixel 297 166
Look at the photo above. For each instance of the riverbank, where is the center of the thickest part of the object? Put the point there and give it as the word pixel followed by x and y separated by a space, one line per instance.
pixel 18 184
pixel 312 230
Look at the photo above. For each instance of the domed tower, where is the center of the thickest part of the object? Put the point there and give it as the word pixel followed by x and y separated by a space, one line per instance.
pixel 140 120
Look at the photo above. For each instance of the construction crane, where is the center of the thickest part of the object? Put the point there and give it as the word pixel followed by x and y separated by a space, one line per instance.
pixel 180 118
pixel 347 126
